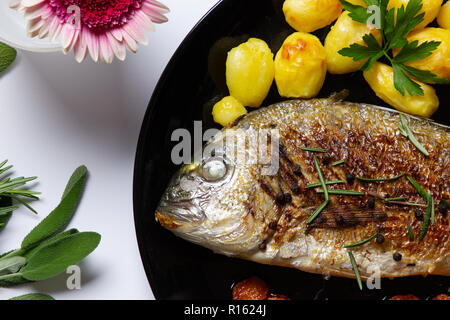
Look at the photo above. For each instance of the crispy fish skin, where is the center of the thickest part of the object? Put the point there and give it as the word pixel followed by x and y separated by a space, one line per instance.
pixel 263 218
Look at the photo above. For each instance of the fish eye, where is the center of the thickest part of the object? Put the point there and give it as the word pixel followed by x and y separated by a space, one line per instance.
pixel 214 169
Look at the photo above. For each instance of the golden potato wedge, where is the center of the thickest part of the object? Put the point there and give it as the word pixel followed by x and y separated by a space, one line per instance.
pixel 250 71
pixel 430 7
pixel 310 15
pixel 439 61
pixel 300 66
pixel 345 32
pixel 227 110
pixel 381 79
pixel 444 16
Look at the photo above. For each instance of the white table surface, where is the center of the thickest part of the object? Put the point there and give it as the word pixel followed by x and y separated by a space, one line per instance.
pixel 58 114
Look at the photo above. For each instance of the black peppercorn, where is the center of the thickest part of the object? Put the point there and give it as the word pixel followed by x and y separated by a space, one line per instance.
pixel 279 198
pixel 371 203
pixel 297 170
pixel 442 208
pixel 397 256
pixel 418 214
pixel 380 238
pixel 350 178
pixel 262 246
pixel 287 198
pixel 326 159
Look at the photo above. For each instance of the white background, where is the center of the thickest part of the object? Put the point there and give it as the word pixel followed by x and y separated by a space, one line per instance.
pixel 57 114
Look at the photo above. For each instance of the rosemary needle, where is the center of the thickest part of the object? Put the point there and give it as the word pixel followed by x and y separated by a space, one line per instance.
pixel 406 131
pixel 318 184
pixel 321 178
pixel 362 242
pixel 313 149
pixel 380 179
pixel 343 192
pixel 355 269
pixel 337 162
pixel 317 211
pixel 410 233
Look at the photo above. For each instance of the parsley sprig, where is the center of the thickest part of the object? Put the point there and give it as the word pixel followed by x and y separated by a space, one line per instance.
pixel 395 24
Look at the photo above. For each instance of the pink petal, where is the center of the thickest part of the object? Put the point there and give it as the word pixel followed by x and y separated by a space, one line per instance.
pixel 105 49
pixel 34 12
pixel 134 30
pixel 117 34
pixel 80 50
pixel 119 48
pixel 144 21
pixel 31 3
pixel 154 14
pixel 34 26
pixel 92 44
pixel 161 7
pixel 67 33
pixel 130 42
pixel 14 4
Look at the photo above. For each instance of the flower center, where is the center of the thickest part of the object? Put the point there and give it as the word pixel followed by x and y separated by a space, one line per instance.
pixel 96 14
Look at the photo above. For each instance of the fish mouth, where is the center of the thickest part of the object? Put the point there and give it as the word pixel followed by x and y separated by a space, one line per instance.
pixel 173 215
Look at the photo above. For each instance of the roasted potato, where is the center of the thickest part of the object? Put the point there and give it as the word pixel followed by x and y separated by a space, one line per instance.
pixel 227 110
pixel 345 32
pixel 444 16
pixel 250 71
pixel 439 62
pixel 300 66
pixel 430 7
pixel 310 15
pixel 404 297
pixel 381 79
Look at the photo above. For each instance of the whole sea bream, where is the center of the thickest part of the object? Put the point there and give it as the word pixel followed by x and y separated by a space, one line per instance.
pixel 234 208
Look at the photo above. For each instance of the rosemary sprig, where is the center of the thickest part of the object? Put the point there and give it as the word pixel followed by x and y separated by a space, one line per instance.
pixel 406 132
pixel 319 184
pixel 317 211
pixel 410 234
pixel 8 187
pixel 426 218
pixel 321 178
pixel 313 149
pixel 355 269
pixel 380 179
pixel 343 192
pixel 337 162
pixel 362 242
pixel 394 199
pixel 418 187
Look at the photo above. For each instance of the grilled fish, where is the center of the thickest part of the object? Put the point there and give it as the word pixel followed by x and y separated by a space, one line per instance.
pixel 235 208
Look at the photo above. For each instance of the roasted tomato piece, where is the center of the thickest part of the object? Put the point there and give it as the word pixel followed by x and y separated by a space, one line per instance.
pixel 404 297
pixel 442 297
pixel 250 289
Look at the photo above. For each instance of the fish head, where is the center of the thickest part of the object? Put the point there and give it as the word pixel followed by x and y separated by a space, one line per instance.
pixel 206 203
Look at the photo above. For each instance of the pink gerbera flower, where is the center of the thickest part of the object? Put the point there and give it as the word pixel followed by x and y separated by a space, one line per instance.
pixel 104 28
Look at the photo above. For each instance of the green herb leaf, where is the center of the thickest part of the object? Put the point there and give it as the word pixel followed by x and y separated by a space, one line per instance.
pixel 313 149
pixel 50 240
pixel 356 12
pixel 426 218
pixel 395 199
pixel 402 82
pixel 58 219
pixel 7 56
pixel 343 192
pixel 355 269
pixel 319 184
pixel 410 234
pixel 337 162
pixel 418 187
pixel 380 179
pixel 362 242
pixel 317 211
pixel 322 180
pixel 410 135
pixel 415 52
pixel 55 257
pixel 34 296
pixel 12 265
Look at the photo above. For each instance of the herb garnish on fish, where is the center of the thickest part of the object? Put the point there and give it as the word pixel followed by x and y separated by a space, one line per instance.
pixel 362 242
pixel 406 132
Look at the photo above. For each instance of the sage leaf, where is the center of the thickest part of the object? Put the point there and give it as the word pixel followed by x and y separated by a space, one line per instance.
pixel 11 280
pixel 58 219
pixel 7 56
pixel 55 257
pixel 51 240
pixel 12 265
pixel 34 296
